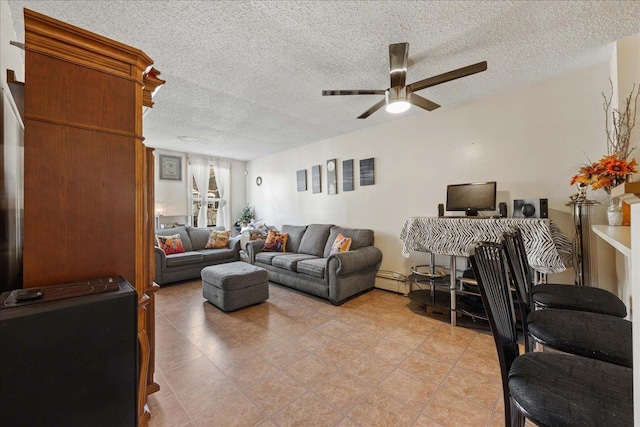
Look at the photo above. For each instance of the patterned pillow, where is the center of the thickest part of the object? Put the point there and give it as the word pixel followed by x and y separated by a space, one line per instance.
pixel 276 242
pixel 341 244
pixel 217 240
pixel 170 244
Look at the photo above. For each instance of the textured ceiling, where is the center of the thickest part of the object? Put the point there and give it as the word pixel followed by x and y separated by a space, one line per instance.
pixel 245 78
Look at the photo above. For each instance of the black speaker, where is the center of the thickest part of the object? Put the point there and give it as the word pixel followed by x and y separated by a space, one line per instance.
pixel 440 209
pixel 69 355
pixel 502 209
pixel 531 208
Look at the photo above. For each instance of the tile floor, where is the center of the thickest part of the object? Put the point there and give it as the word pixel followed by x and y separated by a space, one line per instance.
pixel 296 360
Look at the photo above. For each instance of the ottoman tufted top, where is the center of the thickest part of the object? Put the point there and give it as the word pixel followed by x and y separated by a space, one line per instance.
pixel 234 275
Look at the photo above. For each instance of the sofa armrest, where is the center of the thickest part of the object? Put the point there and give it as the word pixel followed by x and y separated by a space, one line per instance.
pixel 234 245
pixel 161 257
pixel 352 272
pixel 253 248
pixel 352 261
pixel 160 264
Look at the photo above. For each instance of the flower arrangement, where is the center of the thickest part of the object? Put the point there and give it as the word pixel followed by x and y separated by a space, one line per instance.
pixel 606 173
pixel 612 170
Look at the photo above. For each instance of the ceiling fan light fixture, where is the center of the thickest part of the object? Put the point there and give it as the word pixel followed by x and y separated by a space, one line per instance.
pixel 397 100
pixel 400 95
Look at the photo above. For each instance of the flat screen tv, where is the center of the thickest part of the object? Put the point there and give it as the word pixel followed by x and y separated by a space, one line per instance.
pixel 472 197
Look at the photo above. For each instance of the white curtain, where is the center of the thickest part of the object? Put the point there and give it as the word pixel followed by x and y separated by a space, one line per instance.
pixel 222 171
pixel 200 171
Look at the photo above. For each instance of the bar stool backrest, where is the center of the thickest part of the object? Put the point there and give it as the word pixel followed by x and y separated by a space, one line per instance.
pixel 488 262
pixel 518 265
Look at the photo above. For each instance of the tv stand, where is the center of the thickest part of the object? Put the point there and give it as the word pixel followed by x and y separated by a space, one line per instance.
pixel 471 212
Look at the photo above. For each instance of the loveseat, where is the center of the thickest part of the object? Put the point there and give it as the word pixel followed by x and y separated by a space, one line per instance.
pixel 309 266
pixel 187 265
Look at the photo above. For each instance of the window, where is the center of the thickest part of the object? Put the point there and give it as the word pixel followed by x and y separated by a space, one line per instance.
pixel 212 201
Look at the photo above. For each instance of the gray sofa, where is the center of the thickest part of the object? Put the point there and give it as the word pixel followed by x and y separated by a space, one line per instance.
pixel 187 265
pixel 308 267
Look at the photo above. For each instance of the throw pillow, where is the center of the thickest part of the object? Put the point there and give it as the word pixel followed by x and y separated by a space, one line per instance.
pixel 276 242
pixel 341 244
pixel 170 244
pixel 217 240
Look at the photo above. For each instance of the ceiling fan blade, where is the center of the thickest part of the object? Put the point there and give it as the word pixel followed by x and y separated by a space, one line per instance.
pixel 446 77
pixel 372 110
pixel 421 102
pixel 352 92
pixel 398 55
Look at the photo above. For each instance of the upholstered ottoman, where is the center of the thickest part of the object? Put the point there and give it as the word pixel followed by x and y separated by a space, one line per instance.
pixel 234 285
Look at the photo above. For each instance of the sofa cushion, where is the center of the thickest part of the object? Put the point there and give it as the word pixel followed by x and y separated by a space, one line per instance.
pixel 266 257
pixel 184 259
pixel 315 239
pixel 217 240
pixel 275 242
pixel 289 261
pixel 295 233
pixel 170 244
pixel 313 267
pixel 216 254
pixel 200 236
pixel 182 231
pixel 360 238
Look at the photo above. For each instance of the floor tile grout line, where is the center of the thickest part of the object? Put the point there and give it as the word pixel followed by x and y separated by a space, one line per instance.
pixel 391 326
pixel 237 386
pixel 175 393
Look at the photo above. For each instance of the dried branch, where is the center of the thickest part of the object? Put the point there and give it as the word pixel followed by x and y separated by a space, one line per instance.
pixel 619 137
pixel 607 104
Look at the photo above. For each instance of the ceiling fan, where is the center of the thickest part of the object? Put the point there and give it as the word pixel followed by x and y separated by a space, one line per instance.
pixel 399 96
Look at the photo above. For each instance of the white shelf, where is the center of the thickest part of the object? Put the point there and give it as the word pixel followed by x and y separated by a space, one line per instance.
pixel 169 220
pixel 618 237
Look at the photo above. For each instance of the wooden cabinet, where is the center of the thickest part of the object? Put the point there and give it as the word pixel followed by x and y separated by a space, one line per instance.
pixel 88 199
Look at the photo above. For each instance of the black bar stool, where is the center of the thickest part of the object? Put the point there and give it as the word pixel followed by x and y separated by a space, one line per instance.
pixel 569 297
pixel 593 335
pixel 551 389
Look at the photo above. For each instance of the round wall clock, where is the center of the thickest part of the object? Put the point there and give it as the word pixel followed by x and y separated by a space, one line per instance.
pixel 259 181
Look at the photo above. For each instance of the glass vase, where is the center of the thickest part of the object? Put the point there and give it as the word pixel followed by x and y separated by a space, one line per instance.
pixel 614 212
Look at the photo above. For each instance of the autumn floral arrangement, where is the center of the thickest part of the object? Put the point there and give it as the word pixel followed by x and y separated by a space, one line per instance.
pixel 606 173
pixel 614 168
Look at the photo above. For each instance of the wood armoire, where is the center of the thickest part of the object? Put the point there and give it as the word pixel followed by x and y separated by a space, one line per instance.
pixel 88 177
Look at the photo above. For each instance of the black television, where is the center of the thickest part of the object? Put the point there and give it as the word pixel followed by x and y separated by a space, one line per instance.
pixel 472 197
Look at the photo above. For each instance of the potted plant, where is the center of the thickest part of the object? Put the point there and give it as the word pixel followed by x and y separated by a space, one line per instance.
pixel 246 216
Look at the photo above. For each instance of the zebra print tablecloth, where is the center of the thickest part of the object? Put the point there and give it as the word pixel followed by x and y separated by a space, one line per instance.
pixel 548 249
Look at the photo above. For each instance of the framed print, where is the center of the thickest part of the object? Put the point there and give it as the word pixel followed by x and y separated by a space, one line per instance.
pixel 316 184
pixel 332 177
pixel 367 172
pixel 301 180
pixel 170 167
pixel 347 175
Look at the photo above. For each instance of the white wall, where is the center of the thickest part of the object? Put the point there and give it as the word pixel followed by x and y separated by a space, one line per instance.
pixel 173 196
pixel 238 188
pixel 530 140
pixel 12 160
